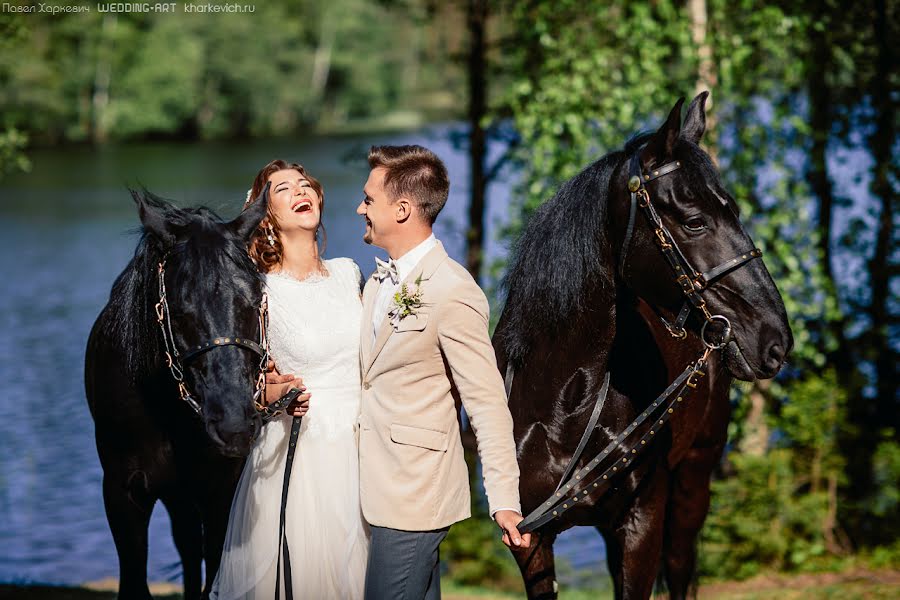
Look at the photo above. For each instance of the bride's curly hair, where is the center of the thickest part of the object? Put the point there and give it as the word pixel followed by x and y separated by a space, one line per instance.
pixel 265 255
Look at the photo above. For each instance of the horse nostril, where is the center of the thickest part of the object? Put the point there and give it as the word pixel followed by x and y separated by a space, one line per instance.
pixel 775 356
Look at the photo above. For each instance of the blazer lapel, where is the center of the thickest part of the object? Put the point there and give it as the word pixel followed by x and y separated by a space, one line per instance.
pixel 426 267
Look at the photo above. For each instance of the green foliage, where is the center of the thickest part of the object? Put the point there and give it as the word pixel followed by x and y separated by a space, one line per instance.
pixel 885 498
pixel 590 74
pixel 285 68
pixel 12 152
pixel 776 511
pixel 756 520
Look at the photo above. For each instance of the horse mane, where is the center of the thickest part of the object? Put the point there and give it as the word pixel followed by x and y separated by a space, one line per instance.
pixel 130 314
pixel 561 261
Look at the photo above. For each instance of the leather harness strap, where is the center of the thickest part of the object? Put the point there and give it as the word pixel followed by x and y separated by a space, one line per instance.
pixel 588 431
pixel 223 341
pixel 577 490
pixel 284 553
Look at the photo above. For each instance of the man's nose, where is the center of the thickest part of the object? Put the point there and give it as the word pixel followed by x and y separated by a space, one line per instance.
pixel 361 209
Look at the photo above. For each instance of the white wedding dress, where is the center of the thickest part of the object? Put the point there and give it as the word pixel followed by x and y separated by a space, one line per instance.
pixel 314 329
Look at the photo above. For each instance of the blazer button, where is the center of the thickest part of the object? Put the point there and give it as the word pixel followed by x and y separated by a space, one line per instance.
pixel 366 385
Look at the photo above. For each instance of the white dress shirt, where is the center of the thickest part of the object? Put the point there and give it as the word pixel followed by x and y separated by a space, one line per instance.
pixel 387 288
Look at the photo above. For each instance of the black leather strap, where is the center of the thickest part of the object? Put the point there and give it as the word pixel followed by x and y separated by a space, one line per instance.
pixel 275 409
pixel 222 341
pixel 579 490
pixel 588 432
pixel 729 265
pixel 283 551
pixel 663 170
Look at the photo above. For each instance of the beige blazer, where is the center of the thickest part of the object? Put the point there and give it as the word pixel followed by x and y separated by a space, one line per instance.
pixel 412 472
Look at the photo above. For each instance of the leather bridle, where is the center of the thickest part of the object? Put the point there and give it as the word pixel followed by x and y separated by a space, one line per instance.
pixel 175 361
pixel 692 281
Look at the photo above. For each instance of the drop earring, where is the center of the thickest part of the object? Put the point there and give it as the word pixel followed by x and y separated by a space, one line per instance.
pixel 271 235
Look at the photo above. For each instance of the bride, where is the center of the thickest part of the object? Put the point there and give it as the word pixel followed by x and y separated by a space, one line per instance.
pixel 314 324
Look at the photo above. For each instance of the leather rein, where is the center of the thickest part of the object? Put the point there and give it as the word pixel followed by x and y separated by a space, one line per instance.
pixel 623 450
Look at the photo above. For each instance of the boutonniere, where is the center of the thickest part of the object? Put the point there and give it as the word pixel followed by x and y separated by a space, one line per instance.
pixel 406 303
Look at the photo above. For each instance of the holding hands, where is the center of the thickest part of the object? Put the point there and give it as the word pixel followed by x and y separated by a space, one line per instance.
pixel 277 385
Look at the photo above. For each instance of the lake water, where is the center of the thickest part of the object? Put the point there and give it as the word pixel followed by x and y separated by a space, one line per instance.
pixel 66 231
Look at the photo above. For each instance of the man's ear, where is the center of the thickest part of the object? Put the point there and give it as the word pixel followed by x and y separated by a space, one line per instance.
pixel 403 209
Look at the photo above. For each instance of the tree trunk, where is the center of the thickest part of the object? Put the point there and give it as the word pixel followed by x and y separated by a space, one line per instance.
pixel 477 13
pixel 102 79
pixel 756 437
pixel 882 139
pixel 707 77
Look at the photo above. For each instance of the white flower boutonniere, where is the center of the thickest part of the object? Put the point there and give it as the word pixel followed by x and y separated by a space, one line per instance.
pixel 406 303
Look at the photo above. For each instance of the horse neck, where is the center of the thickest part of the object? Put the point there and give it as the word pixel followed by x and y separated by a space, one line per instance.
pixel 583 346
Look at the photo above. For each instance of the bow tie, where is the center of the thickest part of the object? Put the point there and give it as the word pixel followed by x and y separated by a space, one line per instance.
pixel 386 270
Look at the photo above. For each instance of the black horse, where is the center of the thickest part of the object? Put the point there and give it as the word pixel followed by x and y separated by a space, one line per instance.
pixel 152 444
pixel 578 306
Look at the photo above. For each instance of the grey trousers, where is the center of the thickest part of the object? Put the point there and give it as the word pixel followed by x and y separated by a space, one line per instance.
pixel 404 565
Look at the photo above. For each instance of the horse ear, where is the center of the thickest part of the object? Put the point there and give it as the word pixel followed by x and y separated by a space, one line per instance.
pixel 246 223
pixel 695 120
pixel 155 215
pixel 660 146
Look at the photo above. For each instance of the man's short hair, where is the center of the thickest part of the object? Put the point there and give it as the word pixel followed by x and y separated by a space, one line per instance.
pixel 413 172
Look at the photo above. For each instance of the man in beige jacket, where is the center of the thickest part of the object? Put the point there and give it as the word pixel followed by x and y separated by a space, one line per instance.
pixel 424 342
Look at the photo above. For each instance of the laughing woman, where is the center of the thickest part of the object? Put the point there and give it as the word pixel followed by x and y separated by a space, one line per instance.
pixel 314 324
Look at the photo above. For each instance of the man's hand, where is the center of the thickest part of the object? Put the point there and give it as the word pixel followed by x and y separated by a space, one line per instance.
pixel 508 520
pixel 278 385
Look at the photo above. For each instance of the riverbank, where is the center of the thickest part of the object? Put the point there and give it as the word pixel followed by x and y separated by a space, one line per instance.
pixel 858 584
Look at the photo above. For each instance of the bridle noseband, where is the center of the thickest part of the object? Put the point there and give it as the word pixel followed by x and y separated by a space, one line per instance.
pixel 691 281
pixel 175 361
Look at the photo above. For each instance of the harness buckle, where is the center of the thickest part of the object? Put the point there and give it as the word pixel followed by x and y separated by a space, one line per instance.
pixel 643 197
pixel 675 333
pixel 661 240
pixel 700 281
pixel 694 378
pixel 686 283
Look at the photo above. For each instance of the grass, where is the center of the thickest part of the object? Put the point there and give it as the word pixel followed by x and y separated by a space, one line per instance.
pixel 859 584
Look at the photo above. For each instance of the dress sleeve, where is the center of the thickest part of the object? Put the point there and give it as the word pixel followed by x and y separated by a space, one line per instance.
pixel 357 275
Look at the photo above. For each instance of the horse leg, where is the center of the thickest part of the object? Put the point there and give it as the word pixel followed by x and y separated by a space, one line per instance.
pixel 538 567
pixel 640 538
pixel 217 508
pixel 688 506
pixel 128 510
pixel 187 533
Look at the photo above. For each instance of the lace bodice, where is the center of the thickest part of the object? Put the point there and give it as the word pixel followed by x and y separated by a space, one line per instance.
pixel 314 333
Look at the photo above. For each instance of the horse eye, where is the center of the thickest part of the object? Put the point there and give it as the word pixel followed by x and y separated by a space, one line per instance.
pixel 695 225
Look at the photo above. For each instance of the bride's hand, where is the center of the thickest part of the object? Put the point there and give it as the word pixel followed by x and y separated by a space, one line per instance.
pixel 277 385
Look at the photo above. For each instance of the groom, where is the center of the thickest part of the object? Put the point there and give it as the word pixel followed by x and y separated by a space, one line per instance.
pixel 424 343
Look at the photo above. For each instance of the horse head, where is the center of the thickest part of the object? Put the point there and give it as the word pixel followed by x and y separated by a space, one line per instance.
pixel 212 291
pixel 703 220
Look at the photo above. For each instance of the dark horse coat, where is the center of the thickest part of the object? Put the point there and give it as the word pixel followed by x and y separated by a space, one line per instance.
pixel 576 310
pixel 151 444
